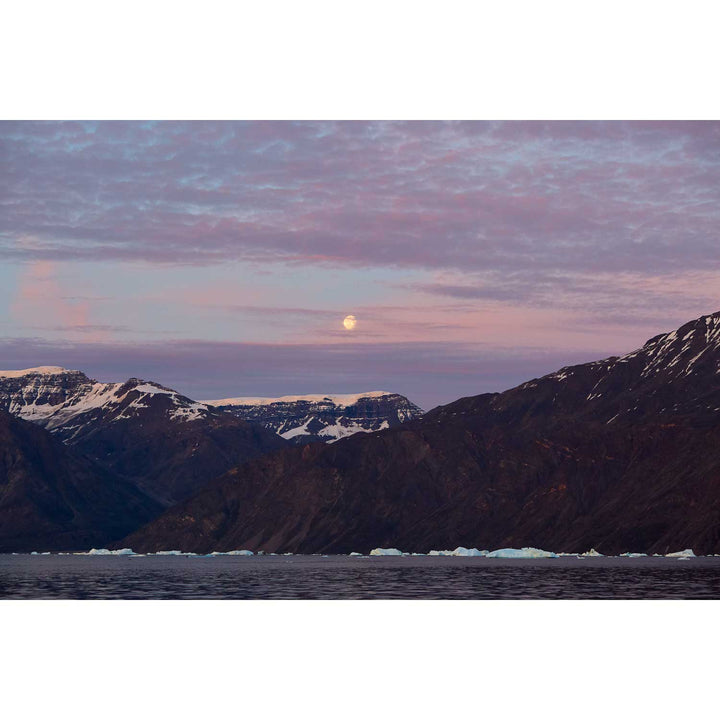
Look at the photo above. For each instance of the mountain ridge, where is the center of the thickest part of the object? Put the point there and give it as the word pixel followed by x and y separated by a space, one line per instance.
pixel 162 441
pixel 328 418
pixel 621 454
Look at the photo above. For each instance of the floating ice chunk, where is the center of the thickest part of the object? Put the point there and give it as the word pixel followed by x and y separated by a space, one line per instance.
pixel 591 553
pixel 441 553
pixel 105 551
pixel 354 554
pixel 171 552
pixel 514 553
pixel 633 555
pixel 386 551
pixel 234 552
pixel 682 554
pixel 472 552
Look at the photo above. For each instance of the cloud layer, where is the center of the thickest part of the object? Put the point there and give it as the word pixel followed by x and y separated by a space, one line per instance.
pixel 516 196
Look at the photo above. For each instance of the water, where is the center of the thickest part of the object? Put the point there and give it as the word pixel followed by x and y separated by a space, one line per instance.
pixel 340 577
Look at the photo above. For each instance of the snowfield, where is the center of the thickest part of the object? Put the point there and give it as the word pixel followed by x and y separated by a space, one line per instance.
pixel 44 370
pixel 337 400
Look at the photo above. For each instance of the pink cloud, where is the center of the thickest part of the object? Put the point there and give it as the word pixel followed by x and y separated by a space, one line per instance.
pixel 41 301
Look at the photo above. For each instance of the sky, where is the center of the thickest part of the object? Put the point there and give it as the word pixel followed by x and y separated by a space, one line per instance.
pixel 220 258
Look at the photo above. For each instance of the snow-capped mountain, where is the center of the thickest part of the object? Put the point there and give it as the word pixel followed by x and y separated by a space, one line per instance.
pixel 166 443
pixel 308 418
pixel 621 455
pixel 69 403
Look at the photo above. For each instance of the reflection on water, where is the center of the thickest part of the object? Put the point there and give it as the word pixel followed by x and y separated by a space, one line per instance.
pixel 339 577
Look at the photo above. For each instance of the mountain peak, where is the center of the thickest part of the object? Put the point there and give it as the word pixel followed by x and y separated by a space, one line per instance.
pixel 708 324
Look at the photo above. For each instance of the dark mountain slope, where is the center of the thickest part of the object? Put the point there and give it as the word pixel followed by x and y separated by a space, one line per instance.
pixel 164 442
pixel 53 499
pixel 622 455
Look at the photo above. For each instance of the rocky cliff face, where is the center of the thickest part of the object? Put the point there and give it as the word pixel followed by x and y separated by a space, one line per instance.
pixel 622 454
pixel 164 442
pixel 310 418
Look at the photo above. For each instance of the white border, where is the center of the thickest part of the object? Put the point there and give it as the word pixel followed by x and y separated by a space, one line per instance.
pixel 380 659
pixel 379 60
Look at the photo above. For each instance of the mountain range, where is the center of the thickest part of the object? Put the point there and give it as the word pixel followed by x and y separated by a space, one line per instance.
pixel 161 441
pixel 147 444
pixel 311 418
pixel 621 454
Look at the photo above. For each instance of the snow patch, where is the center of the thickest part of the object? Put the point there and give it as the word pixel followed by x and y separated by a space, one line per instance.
pixel 338 431
pixel 153 390
pixel 193 411
pixel 301 430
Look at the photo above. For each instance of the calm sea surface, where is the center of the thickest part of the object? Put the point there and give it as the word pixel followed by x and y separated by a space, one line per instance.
pixel 340 577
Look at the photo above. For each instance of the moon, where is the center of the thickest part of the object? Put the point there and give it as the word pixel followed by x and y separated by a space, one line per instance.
pixel 350 322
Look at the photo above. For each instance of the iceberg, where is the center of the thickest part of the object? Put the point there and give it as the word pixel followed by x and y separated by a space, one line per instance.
pixel 459 552
pixel 105 551
pixel 682 554
pixel 514 553
pixel 591 553
pixel 633 555
pixel 236 552
pixel 386 551
pixel 354 554
pixel 465 552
